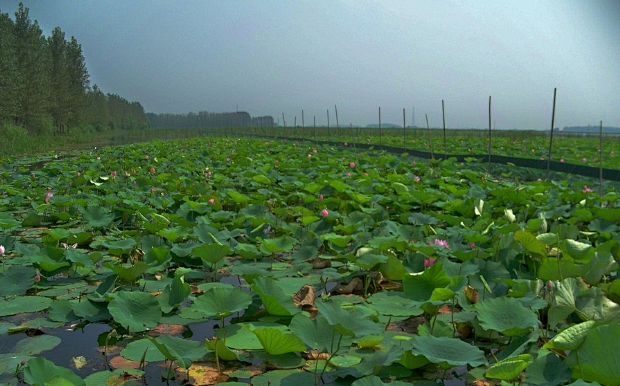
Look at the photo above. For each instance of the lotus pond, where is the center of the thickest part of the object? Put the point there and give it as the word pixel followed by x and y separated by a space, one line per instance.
pixel 239 261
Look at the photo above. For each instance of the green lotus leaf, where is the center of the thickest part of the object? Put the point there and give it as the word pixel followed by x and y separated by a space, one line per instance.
pixel 531 243
pixel 394 304
pixel 316 333
pixel 97 216
pixel 239 336
pixel 261 179
pixel 218 346
pixel 571 338
pixel 40 371
pixel 419 287
pixel 279 244
pixel 173 295
pixel 598 358
pixel 17 279
pixel 350 321
pixel 117 247
pixel 22 304
pixel 373 380
pixel 506 315
pixel 183 351
pixel 547 370
pixel 118 377
pixel 509 369
pixel 136 350
pixel 211 253
pixel 400 189
pixel 35 345
pixel 277 342
pixel 453 351
pixel 136 311
pixel 274 299
pixel 292 377
pixel 129 272
pixel 222 302
pixel 237 197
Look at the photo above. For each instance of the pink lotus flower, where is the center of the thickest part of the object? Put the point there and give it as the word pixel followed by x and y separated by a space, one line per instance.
pixel 472 245
pixel 348 174
pixel 366 173
pixel 562 160
pixel 66 246
pixel 412 163
pixel 309 155
pixel 113 174
pixel 146 156
pixel 586 189
pixel 48 196
pixel 37 278
pixel 79 174
pixel 442 243
pixel 416 179
pixel 549 285
pixel 428 262
pixel 152 170
pixel 314 151
pixel 584 159
pixel 2 250
pixel 324 212
pixel 127 174
pixel 212 200
pixel 346 144
pixel 320 197
pixel 352 164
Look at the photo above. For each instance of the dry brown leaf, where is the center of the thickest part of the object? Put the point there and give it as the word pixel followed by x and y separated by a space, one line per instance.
pixel 119 362
pixel 167 329
pixel 355 285
pixel 314 355
pixel 471 293
pixel 305 296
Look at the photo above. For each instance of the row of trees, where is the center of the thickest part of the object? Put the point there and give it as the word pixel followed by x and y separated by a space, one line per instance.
pixel 44 83
pixel 201 119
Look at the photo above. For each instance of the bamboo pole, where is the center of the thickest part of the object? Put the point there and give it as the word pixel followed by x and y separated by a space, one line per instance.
pixel 379 125
pixel 443 113
pixel 404 131
pixel 430 141
pixel 314 125
pixel 337 123
pixel 328 124
pixel 600 176
pixel 551 136
pixel 303 125
pixel 489 131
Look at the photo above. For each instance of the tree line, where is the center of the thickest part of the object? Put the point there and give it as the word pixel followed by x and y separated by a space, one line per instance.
pixel 207 119
pixel 45 86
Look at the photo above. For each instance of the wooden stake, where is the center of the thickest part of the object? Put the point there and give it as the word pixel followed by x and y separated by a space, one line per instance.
pixel 337 123
pixel 328 124
pixel 404 131
pixel 600 192
pixel 379 125
pixel 443 113
pixel 551 136
pixel 430 141
pixel 489 130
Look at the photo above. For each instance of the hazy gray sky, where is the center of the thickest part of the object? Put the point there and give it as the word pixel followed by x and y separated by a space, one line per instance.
pixel 272 57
